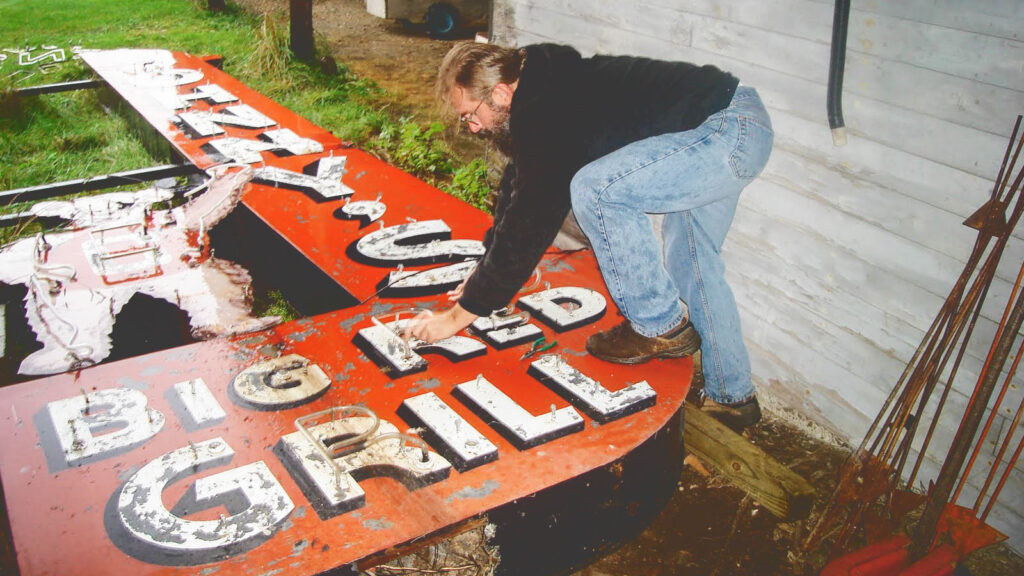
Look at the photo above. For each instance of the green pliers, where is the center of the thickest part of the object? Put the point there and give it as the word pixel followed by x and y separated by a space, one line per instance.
pixel 539 345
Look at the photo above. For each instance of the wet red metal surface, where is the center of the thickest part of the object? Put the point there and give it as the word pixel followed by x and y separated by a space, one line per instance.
pixel 322 238
pixel 61 516
pixel 64 509
pixel 308 224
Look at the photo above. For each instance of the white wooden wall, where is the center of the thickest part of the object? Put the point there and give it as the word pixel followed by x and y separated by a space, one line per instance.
pixel 840 257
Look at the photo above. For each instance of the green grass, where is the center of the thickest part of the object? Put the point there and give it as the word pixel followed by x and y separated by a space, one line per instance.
pixel 70 135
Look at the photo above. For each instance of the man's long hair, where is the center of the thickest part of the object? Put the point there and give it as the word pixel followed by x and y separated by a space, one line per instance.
pixel 477 68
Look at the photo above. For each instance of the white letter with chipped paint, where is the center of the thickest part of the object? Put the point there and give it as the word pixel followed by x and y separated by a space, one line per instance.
pixel 80 423
pixel 279 383
pixel 143 515
pixel 586 306
pixel 513 421
pixel 333 482
pixel 393 245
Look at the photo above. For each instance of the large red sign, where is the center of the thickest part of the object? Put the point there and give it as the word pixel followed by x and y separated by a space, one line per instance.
pixel 324 442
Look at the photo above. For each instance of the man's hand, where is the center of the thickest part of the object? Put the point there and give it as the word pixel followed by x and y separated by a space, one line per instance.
pixel 431 327
pixel 455 293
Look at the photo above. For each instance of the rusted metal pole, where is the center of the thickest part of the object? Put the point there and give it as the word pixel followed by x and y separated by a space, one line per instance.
pixel 1010 464
pixel 302 29
pixel 1009 433
pixel 939 496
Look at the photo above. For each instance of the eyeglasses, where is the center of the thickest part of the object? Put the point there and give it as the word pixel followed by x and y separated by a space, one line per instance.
pixel 471 118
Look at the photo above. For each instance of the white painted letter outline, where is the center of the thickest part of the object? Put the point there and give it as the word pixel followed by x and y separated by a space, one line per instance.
pixel 246 151
pixel 333 487
pixel 280 383
pixel 201 408
pixel 143 515
pixel 387 349
pixel 394 244
pixel 504 330
pixel 589 395
pixel 203 123
pixel 521 428
pixel 80 422
pixel 448 432
pixel 326 182
pixel 588 304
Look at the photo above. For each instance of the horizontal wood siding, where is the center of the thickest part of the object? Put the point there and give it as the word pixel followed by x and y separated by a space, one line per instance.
pixel 840 257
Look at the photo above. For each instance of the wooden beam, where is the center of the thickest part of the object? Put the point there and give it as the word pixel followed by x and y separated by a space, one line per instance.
pixel 302 29
pixel 780 490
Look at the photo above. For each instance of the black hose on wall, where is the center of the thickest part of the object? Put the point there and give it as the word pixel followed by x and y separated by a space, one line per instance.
pixel 837 63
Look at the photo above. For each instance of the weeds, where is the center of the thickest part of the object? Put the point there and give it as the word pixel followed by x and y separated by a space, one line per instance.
pixel 270 55
pixel 470 183
pixel 416 149
pixel 273 303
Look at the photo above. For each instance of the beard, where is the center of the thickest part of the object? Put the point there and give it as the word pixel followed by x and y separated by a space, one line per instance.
pixel 500 136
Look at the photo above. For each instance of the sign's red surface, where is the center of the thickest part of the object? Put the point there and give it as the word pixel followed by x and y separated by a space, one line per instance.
pixel 191 459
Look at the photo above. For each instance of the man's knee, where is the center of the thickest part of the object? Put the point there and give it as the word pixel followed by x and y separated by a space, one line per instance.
pixel 580 193
pixel 585 189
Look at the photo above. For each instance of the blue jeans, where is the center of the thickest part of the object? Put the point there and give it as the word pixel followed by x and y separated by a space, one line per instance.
pixel 694 178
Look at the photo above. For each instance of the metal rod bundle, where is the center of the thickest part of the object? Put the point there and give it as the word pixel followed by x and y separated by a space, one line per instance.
pixel 874 471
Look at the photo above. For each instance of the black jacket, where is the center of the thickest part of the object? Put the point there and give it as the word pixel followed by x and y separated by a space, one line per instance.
pixel 566 112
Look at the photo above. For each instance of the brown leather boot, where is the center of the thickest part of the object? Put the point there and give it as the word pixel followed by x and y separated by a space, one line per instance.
pixel 623 345
pixel 736 416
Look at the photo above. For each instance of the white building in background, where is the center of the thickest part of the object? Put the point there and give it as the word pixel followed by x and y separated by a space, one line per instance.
pixel 840 257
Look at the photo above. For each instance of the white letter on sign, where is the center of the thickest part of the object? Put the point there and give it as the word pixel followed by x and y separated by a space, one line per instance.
pixel 590 396
pixel 332 487
pixel 387 349
pixel 393 245
pixel 204 123
pixel 503 330
pixel 210 92
pixel 252 489
pixel 520 427
pixel 280 383
pixel 326 183
pixel 448 432
pixel 198 406
pixel 245 151
pixel 102 423
pixel 432 281
pixel 586 306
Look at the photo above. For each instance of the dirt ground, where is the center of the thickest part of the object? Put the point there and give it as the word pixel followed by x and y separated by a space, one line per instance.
pixel 709 527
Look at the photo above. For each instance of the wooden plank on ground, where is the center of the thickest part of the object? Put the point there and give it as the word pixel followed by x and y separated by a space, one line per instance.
pixel 777 488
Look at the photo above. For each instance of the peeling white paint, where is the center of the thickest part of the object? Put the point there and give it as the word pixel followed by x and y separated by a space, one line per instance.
pixel 118 246
pixel 383 451
pixel 205 123
pixel 394 244
pixel 525 429
pixel 603 404
pixel 464 443
pixel 423 279
pixel 143 515
pixel 585 306
pixel 366 210
pixel 210 92
pixel 400 355
pixel 101 423
pixel 199 403
pixel 281 383
pixel 327 182
pixel 246 151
